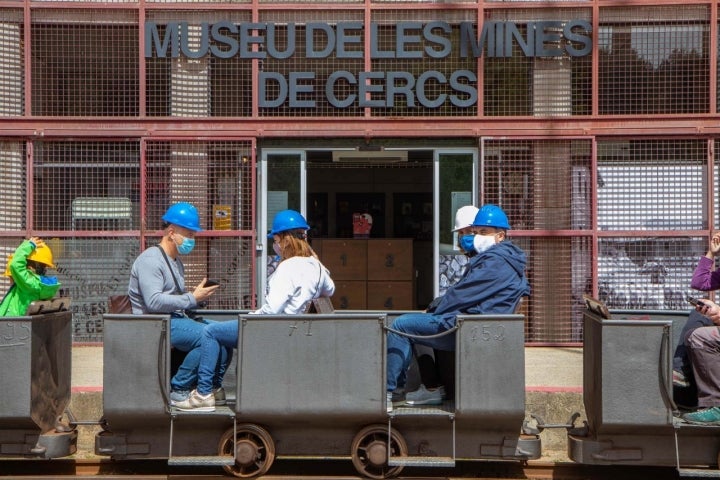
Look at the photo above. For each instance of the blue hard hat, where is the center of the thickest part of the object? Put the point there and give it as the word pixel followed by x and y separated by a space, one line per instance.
pixel 183 215
pixel 287 220
pixel 491 216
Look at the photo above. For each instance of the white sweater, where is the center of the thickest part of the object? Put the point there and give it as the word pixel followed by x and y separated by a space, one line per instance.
pixel 295 282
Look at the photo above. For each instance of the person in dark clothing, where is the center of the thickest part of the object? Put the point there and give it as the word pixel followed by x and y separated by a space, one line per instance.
pixel 706 279
pixel 493 283
pixel 704 348
pixel 437 367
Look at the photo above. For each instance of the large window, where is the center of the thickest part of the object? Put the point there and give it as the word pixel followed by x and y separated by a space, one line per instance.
pixel 98 207
pixel 85 64
pixel 654 60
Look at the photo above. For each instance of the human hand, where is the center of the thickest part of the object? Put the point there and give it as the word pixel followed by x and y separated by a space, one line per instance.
pixel 37 241
pixel 202 293
pixel 710 310
pixel 714 246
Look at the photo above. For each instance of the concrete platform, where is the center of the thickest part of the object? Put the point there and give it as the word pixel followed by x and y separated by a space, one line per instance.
pixel 553 379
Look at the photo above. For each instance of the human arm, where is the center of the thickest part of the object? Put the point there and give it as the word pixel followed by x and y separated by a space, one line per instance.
pixel 327 286
pixel 705 278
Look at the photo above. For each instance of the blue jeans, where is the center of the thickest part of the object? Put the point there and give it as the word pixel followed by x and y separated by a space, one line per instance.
pixel 399 347
pixel 186 336
pixel 216 338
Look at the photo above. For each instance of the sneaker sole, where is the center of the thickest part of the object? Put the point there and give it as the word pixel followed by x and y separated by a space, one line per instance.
pixel 196 409
pixel 696 422
pixel 423 402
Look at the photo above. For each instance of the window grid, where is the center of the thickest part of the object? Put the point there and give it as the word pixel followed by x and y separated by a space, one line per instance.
pixel 545 185
pixel 202 87
pixel 663 55
pixel 652 60
pixel 539 86
pixel 12 63
pixel 89 192
pixel 13 194
pixel 649 273
pixel 216 177
pixel 651 184
pixel 83 65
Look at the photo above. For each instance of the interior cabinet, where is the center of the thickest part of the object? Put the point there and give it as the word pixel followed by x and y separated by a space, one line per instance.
pixel 370 273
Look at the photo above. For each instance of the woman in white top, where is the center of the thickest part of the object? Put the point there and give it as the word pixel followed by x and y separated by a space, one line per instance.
pixel 300 276
pixel 297 280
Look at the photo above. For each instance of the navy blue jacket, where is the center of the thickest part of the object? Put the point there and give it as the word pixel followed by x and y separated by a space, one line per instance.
pixel 493 283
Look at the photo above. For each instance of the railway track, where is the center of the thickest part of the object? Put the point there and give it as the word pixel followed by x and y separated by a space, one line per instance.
pixel 325 470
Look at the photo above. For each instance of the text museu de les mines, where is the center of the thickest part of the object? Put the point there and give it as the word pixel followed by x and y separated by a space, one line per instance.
pixel 414 41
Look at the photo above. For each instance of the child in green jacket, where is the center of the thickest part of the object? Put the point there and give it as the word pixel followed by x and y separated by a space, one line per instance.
pixel 27 269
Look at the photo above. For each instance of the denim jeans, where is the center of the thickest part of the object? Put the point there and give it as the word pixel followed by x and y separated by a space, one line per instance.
pixel 399 347
pixel 681 359
pixel 186 336
pixel 704 344
pixel 216 338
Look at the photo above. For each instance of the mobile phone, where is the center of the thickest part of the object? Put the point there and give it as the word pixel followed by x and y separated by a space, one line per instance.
pixel 211 282
pixel 695 302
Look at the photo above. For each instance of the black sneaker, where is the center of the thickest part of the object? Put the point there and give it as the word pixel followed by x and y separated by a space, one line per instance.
pixel 219 396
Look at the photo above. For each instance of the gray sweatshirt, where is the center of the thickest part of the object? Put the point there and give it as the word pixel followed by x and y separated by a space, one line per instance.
pixel 152 289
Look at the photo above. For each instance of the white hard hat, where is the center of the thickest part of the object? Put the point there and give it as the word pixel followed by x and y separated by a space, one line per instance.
pixel 465 217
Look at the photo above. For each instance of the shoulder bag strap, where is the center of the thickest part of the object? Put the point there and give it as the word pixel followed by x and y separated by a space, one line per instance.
pixel 177 285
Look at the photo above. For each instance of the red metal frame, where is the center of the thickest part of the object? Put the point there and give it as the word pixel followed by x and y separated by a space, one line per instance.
pixel 591 127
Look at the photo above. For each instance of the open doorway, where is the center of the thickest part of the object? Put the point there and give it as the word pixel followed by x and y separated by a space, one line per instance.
pixel 393 190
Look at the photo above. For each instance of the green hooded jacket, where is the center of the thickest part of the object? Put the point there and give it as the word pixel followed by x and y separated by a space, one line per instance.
pixel 27 285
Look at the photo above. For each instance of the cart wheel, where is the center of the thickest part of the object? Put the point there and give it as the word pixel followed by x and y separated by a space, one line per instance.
pixel 254 450
pixel 370 451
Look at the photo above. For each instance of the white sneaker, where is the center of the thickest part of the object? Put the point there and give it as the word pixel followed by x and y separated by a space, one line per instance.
pixel 197 402
pixel 423 396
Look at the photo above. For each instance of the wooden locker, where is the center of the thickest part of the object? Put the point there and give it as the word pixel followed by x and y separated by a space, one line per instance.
pixel 346 259
pixel 390 259
pixel 390 295
pixel 350 295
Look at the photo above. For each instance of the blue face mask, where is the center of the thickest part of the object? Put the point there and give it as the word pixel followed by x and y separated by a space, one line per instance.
pixel 466 243
pixel 186 246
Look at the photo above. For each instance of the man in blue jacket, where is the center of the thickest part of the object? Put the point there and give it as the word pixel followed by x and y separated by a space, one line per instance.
pixel 494 282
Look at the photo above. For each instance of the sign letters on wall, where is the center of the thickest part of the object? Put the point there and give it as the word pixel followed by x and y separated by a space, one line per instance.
pixel 345 40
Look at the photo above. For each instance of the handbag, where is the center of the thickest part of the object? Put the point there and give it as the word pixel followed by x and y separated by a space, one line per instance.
pixel 320 304
pixel 119 304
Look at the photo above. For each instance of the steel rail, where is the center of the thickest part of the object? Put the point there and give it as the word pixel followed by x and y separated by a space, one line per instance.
pixel 334 470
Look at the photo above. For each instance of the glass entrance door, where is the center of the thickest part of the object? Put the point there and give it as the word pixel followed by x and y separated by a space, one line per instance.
pixel 282 183
pixel 455 186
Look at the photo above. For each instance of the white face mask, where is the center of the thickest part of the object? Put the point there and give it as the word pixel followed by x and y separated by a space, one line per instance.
pixel 483 242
